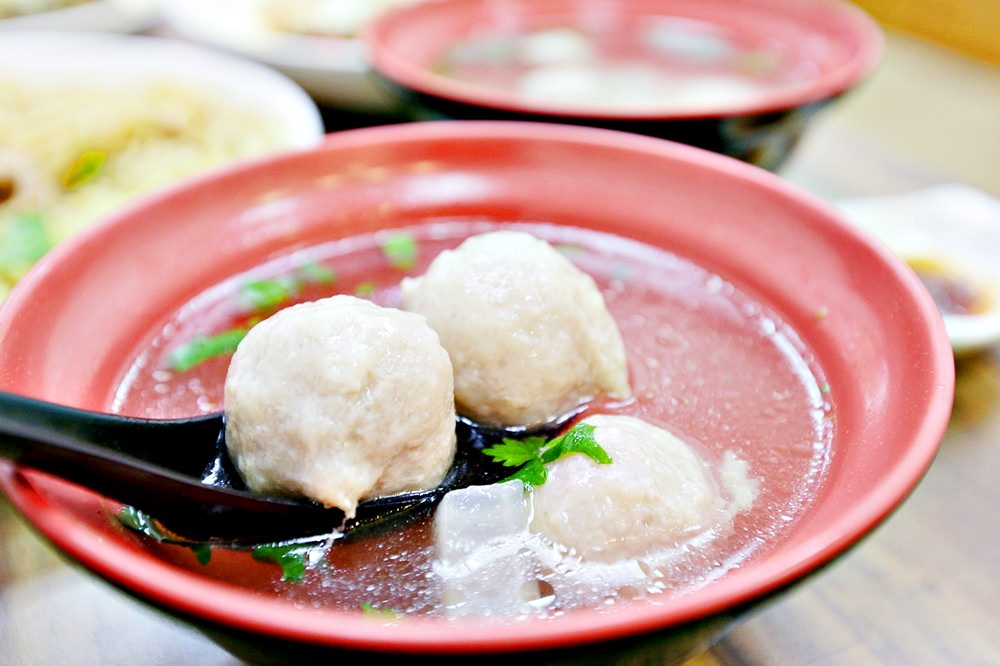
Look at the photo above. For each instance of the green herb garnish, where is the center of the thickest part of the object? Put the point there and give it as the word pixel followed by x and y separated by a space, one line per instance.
pixel 384 613
pixel 141 522
pixel 203 348
pixel 532 454
pixel 23 242
pixel 315 273
pixel 290 557
pixel 84 168
pixel 265 295
pixel 364 289
pixel 401 250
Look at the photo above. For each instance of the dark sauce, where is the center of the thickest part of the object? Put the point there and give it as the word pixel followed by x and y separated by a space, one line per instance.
pixel 953 293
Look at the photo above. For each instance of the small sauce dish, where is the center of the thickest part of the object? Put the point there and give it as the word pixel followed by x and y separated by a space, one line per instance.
pixel 949 234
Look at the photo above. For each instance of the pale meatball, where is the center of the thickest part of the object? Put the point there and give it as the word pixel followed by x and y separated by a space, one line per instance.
pixel 529 334
pixel 340 400
pixel 655 494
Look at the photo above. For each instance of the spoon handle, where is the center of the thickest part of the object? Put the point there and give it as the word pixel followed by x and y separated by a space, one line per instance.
pixel 176 444
pixel 108 454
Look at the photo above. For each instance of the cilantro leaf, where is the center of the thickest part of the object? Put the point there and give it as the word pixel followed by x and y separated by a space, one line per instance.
pixel 84 168
pixel 400 249
pixel 516 452
pixel 384 613
pixel 316 273
pixel 143 523
pixel 533 453
pixel 290 557
pixel 23 242
pixel 364 289
pixel 201 349
pixel 263 295
pixel 533 474
pixel 202 553
pixel 579 439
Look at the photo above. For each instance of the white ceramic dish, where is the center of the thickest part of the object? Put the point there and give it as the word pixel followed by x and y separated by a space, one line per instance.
pixel 97 15
pixel 954 226
pixel 334 71
pixel 55 57
pixel 127 93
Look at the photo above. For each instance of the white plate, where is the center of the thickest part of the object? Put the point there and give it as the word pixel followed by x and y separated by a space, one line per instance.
pixel 955 225
pixel 214 86
pixel 53 57
pixel 333 70
pixel 97 16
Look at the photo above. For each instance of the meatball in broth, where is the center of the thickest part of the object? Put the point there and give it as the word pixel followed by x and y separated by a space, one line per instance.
pixel 529 334
pixel 320 402
pixel 657 493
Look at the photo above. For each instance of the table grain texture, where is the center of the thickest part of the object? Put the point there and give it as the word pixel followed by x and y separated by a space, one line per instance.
pixel 923 589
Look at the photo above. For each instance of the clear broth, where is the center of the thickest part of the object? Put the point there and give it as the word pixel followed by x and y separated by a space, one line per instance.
pixel 707 361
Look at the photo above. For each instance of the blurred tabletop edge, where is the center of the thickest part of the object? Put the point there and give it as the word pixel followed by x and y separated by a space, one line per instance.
pixel 921 590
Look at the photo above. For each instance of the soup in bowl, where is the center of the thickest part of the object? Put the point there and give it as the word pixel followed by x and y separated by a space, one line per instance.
pixel 751 407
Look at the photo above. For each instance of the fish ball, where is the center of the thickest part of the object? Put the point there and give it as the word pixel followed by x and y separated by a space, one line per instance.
pixel 529 334
pixel 656 493
pixel 340 400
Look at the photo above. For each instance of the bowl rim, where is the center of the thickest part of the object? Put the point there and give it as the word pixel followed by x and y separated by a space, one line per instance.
pixel 225 605
pixel 394 67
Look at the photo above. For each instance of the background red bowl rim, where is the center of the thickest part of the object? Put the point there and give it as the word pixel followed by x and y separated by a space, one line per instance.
pixel 396 67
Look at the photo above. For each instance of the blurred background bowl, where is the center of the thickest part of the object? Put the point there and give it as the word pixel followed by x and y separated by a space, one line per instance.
pixel 92 120
pixel 80 15
pixel 72 328
pixel 739 77
pixel 314 42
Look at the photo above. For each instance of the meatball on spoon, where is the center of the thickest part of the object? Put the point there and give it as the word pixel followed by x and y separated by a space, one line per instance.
pixel 178 471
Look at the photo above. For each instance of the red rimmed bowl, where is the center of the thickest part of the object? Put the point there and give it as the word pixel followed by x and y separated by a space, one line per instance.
pixel 854 314
pixel 738 77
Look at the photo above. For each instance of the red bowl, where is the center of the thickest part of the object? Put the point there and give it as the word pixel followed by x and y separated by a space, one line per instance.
pixel 803 53
pixel 71 327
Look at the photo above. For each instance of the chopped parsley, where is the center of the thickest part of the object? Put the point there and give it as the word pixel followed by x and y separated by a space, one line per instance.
pixel 141 522
pixel 290 557
pixel 264 295
pixel 267 295
pixel 365 289
pixel 532 454
pixel 23 242
pixel 383 613
pixel 84 168
pixel 401 250
pixel 315 273
pixel 202 348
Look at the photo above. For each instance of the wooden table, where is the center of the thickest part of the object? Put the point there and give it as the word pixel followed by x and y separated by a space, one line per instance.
pixel 923 589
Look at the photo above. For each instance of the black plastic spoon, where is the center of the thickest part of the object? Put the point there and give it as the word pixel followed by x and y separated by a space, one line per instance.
pixel 178 472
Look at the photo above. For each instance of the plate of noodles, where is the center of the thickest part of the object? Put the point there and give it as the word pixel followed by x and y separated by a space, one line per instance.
pixel 79 15
pixel 92 121
pixel 315 42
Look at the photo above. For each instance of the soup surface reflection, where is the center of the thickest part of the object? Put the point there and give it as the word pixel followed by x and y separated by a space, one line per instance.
pixel 706 361
pixel 656 64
